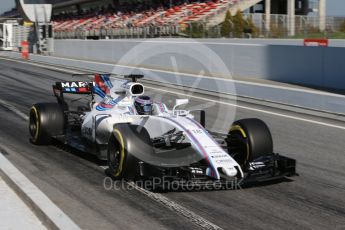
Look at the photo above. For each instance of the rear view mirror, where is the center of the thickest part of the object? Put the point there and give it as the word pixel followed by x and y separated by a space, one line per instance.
pixel 180 102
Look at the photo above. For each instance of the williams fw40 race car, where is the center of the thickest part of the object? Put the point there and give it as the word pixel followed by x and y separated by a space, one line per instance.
pixel 142 139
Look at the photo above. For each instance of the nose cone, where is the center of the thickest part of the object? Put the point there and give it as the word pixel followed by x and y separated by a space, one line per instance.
pixel 230 172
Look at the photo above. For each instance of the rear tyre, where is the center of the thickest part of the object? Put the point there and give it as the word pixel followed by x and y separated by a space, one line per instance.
pixel 124 145
pixel 249 139
pixel 46 120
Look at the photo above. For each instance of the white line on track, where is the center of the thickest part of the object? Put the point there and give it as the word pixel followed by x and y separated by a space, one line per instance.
pixel 50 214
pixel 40 65
pixel 252 109
pixel 190 215
pixel 55 215
pixel 14 109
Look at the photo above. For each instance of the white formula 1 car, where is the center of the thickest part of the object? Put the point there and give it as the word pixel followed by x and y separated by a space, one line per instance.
pixel 142 139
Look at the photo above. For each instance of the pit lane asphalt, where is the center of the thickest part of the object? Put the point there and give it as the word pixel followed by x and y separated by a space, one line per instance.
pixel 314 200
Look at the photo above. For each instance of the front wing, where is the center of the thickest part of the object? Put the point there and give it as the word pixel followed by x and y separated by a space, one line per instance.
pixel 272 167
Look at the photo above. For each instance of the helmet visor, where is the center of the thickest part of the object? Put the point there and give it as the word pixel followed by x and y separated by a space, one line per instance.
pixel 147 109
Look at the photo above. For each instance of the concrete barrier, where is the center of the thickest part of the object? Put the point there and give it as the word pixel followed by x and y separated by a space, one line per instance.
pixel 311 66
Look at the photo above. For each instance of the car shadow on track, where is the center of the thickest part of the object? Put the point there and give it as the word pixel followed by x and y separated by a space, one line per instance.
pixel 80 154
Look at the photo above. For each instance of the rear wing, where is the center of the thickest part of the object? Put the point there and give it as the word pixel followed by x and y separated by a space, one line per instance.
pixel 71 87
pixel 89 88
pixel 74 87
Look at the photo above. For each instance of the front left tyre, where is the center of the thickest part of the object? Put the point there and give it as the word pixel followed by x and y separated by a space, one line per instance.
pixel 126 143
pixel 46 120
pixel 248 140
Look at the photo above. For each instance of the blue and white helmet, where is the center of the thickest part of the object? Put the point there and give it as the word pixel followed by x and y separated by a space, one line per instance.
pixel 143 105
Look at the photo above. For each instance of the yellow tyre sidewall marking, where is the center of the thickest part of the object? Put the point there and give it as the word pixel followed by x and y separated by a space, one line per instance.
pixel 37 123
pixel 122 152
pixel 241 130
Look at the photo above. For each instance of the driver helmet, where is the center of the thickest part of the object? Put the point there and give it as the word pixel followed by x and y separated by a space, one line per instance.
pixel 143 105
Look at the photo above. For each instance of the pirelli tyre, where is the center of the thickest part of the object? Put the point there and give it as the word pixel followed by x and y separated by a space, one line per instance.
pixel 126 142
pixel 249 139
pixel 46 120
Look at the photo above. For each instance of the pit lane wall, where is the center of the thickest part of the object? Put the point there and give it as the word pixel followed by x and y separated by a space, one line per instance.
pixel 311 66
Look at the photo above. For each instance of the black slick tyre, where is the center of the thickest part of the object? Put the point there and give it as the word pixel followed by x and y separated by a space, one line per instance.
pixel 46 120
pixel 249 139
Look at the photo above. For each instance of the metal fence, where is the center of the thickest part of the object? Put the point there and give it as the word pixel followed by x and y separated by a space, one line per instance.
pixel 134 32
pixel 305 26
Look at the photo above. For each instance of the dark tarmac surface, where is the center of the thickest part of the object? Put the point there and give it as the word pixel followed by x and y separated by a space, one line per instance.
pixel 313 200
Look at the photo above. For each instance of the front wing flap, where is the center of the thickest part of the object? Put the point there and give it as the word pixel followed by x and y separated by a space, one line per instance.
pixel 271 167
